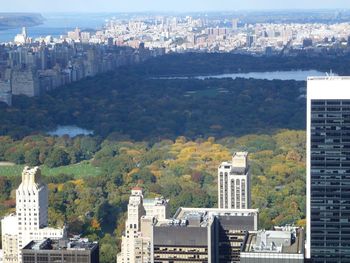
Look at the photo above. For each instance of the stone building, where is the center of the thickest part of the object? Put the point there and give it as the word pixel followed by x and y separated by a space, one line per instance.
pixel 30 222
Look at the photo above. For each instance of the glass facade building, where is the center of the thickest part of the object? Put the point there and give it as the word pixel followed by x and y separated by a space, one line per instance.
pixel 328 168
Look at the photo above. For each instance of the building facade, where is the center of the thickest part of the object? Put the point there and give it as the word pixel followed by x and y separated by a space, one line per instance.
pixel 234 182
pixel 142 213
pixel 31 219
pixel 61 251
pixel 328 169
pixel 203 235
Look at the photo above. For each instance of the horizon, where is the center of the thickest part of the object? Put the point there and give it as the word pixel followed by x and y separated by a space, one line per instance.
pixel 180 6
pixel 181 12
pixel 155 12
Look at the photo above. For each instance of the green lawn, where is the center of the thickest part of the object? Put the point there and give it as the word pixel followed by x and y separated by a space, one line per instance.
pixel 78 170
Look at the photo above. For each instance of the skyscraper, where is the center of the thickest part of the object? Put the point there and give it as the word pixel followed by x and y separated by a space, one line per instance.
pixel 31 219
pixel 234 182
pixel 136 241
pixel 235 23
pixel 328 169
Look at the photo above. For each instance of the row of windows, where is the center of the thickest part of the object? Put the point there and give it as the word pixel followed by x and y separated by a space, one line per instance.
pixel 330 146
pixel 26 193
pixel 330 102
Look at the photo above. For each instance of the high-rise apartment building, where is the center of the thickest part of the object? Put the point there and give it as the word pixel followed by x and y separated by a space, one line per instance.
pixel 31 219
pixel 136 241
pixel 234 182
pixel 328 169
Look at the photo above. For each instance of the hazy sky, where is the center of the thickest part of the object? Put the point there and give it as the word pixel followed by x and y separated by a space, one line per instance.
pixel 163 5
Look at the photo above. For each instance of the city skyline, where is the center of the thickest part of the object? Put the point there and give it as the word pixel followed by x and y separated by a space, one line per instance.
pixel 162 6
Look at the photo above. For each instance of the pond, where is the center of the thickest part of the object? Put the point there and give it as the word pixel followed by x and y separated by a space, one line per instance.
pixel 71 131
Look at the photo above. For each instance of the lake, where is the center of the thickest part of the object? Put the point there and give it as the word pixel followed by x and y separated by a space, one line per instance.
pixel 298 75
pixel 70 130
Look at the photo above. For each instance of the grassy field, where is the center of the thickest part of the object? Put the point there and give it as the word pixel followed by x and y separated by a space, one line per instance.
pixel 78 170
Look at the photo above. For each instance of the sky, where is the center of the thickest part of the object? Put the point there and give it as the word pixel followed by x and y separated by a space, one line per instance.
pixel 45 6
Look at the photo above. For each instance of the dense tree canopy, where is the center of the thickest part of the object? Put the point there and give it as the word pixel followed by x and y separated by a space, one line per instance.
pixel 151 109
pixel 165 135
pixel 182 170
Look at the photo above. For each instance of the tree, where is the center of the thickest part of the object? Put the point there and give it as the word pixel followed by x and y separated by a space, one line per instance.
pixel 107 245
pixel 89 145
pixel 31 157
pixel 58 157
pixel 15 154
pixel 5 188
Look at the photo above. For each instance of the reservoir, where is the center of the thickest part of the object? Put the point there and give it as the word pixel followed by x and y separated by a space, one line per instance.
pixel 298 75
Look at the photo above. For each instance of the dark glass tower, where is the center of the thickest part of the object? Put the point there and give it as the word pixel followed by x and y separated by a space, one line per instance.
pixel 328 169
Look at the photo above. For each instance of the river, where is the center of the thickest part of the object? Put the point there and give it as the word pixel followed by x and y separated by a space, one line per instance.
pixel 58 24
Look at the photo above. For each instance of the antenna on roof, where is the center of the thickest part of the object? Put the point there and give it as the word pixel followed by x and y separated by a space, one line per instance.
pixel 330 74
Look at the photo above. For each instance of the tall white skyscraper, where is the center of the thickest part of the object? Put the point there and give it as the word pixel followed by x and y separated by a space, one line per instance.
pixel 328 169
pixel 234 182
pixel 21 38
pixel 142 213
pixel 31 218
pixel 235 23
pixel 24 32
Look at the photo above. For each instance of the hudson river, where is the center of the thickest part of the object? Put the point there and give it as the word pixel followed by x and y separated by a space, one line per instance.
pixel 56 25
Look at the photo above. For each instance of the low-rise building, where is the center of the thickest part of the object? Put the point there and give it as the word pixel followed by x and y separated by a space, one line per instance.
pixel 63 250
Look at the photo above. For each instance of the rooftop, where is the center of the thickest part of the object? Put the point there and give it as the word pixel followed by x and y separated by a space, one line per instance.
pixel 158 201
pixel 287 240
pixel 330 77
pixel 202 217
pixel 238 165
pixel 62 244
pixel 31 177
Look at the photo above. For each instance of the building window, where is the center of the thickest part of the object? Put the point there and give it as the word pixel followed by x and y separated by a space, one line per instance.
pixel 243 186
pixel 232 193
pixel 238 193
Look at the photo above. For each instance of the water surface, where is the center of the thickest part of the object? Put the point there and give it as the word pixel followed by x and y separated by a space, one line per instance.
pixel 58 24
pixel 298 75
pixel 71 131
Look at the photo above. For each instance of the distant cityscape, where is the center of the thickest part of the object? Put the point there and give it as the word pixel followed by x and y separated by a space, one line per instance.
pixel 31 66
pixel 206 34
